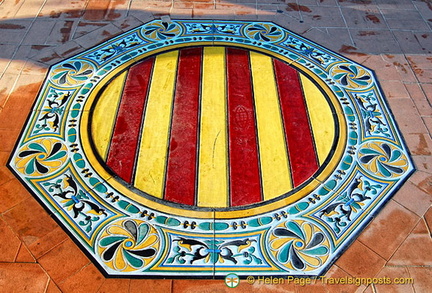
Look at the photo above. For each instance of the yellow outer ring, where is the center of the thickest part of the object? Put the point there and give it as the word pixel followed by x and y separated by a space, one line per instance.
pixel 208 214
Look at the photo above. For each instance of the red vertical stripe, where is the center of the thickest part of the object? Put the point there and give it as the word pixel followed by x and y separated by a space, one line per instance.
pixel 303 158
pixel 245 183
pixel 124 143
pixel 182 156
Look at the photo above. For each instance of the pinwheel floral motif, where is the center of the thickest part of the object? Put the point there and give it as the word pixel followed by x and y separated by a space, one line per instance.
pixel 264 32
pixel 161 31
pixel 72 73
pixel 299 245
pixel 41 157
pixel 383 159
pixel 351 76
pixel 128 245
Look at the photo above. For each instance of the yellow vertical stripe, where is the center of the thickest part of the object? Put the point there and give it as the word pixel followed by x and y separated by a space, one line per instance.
pixel 271 137
pixel 150 170
pixel 104 114
pixel 321 118
pixel 213 146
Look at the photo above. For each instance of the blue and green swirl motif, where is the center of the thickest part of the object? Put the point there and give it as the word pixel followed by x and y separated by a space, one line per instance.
pixel 264 32
pixel 128 245
pixel 299 245
pixel 383 159
pixel 72 73
pixel 41 157
pixel 161 31
pixel 351 76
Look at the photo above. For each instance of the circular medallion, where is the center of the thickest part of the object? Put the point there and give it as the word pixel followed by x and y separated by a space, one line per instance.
pixel 216 128
pixel 41 157
pixel 128 245
pixel 383 159
pixel 299 245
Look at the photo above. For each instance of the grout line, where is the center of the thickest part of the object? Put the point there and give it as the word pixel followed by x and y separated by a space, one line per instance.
pixel 89 263
pixel 409 266
pixel 12 89
pixel 15 53
pixel 404 239
pixel 390 30
pixel 407 271
pixel 48 281
pixel 52 248
pixel 18 250
pixel 299 11
pixel 19 45
pixel 346 26
pixel 103 278
pixel 427 226
pixel 421 16
pixel 16 235
pixel 415 75
pixel 45 43
pixel 129 8
pixel 75 25
pixel 422 90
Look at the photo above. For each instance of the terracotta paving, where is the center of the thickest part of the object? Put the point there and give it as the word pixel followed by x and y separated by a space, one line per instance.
pixel 393 38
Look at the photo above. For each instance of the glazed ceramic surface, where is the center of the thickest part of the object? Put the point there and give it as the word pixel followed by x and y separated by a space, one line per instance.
pixel 209 148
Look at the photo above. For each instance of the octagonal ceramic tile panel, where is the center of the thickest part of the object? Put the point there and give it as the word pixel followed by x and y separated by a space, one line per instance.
pixel 203 148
